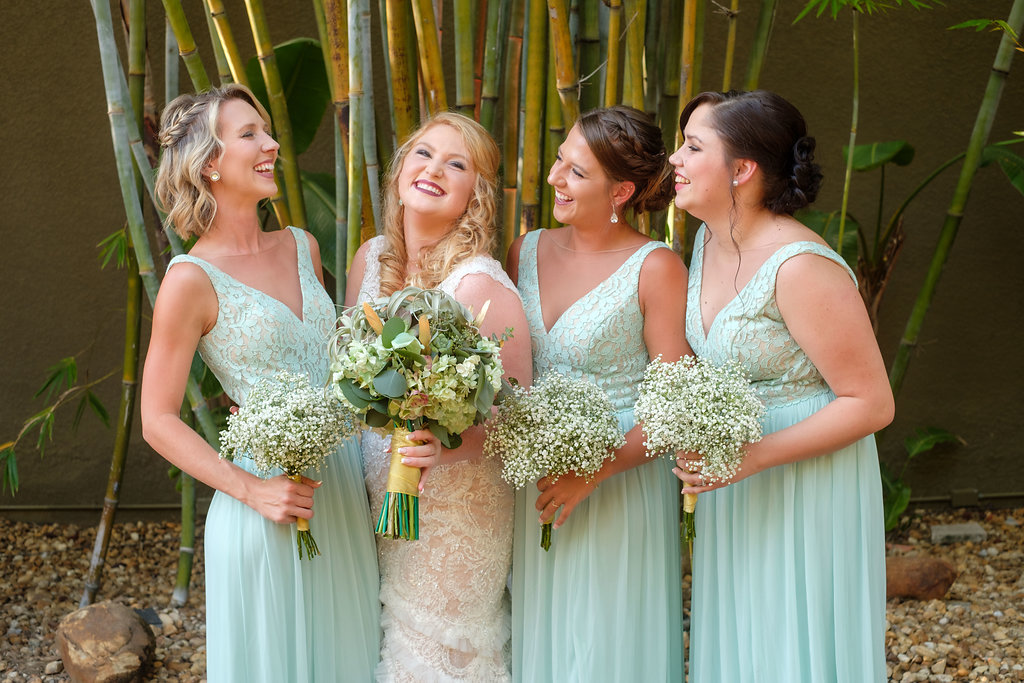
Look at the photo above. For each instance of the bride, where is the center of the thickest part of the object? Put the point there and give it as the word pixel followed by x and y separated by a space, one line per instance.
pixel 445 612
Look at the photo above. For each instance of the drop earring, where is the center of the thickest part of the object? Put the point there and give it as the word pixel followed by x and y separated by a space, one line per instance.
pixel 615 216
pixel 215 176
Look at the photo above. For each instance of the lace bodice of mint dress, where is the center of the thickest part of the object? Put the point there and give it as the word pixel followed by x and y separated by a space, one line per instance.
pixel 445 608
pixel 604 603
pixel 269 616
pixel 789 564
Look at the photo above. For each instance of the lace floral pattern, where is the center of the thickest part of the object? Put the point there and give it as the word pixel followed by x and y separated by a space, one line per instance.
pixel 256 335
pixel 445 612
pixel 750 328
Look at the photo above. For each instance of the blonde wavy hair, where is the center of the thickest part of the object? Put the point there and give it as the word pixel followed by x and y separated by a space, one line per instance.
pixel 190 140
pixel 472 233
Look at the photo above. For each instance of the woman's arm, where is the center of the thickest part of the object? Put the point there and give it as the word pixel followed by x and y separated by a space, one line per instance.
pixel 505 311
pixel 662 293
pixel 512 260
pixel 826 316
pixel 185 310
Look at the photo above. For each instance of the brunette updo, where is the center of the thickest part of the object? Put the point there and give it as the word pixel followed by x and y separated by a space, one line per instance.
pixel 629 146
pixel 765 128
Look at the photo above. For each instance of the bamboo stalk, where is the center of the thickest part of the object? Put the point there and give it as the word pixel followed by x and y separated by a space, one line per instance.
pixel 497 25
pixel 566 81
pixel 655 60
pixel 226 40
pixel 613 68
pixel 430 56
pixel 730 43
pixel 480 11
pixel 982 127
pixel 219 56
pixel 186 44
pixel 372 172
pixel 633 79
pixel 554 134
pixel 848 176
pixel 402 76
pixel 387 142
pixel 589 51
pixel 357 113
pixel 510 146
pixel 669 106
pixel 463 16
pixel 287 161
pixel 536 49
pixel 759 48
pixel 335 19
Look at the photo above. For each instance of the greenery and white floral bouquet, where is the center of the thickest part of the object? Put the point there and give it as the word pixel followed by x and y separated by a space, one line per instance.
pixel 696 406
pixel 557 426
pixel 414 360
pixel 288 424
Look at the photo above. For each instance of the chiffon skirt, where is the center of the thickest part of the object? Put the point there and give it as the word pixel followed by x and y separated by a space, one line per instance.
pixel 271 617
pixel 604 603
pixel 789 570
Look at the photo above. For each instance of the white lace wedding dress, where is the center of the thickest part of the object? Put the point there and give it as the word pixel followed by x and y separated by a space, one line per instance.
pixel 445 608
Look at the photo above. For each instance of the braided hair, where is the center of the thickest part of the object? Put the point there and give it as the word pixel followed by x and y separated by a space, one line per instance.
pixel 630 147
pixel 190 140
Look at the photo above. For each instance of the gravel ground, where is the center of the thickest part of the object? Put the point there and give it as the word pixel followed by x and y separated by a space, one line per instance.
pixel 975 634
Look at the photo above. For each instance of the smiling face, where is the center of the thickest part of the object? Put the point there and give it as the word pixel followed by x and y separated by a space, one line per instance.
pixel 583 191
pixel 246 165
pixel 437 175
pixel 703 176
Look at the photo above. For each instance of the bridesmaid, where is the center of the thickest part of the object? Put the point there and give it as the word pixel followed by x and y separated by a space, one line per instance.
pixel 789 562
pixel 252 303
pixel 601 299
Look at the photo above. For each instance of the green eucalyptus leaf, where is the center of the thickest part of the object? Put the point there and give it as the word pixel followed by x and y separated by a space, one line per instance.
pixel 872 155
pixel 925 439
pixel 375 419
pixel 321 220
pixel 390 383
pixel 392 328
pixel 405 340
pixel 356 395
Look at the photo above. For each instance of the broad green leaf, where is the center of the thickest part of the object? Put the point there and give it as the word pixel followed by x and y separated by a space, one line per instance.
pixel 321 220
pixel 304 80
pixel 405 340
pixel 875 154
pixel 1012 164
pixel 354 394
pixel 925 439
pixel 826 224
pixel 895 505
pixel 390 383
pixel 392 328
pixel 375 419
pixel 10 474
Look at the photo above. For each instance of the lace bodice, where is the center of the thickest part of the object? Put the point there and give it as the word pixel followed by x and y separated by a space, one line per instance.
pixel 256 335
pixel 751 330
pixel 600 337
pixel 444 615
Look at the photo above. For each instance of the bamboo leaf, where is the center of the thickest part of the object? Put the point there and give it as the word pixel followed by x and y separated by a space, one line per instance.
pixel 114 246
pixel 62 376
pixel 10 468
pixel 304 80
pixel 98 408
pixel 925 439
pixel 872 155
pixel 1012 164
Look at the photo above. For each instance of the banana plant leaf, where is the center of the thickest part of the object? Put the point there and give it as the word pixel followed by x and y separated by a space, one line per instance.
pixel 875 154
pixel 304 78
pixel 318 193
pixel 1012 164
pixel 826 224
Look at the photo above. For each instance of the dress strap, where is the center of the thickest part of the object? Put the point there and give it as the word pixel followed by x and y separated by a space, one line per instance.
pixel 370 287
pixel 479 264
pixel 808 247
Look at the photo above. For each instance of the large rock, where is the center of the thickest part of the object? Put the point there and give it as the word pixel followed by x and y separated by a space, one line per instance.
pixel 105 643
pixel 914 576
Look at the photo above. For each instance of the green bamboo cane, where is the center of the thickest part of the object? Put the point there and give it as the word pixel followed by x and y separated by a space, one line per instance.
pixel 120 125
pixel 464 62
pixel 848 176
pixel 357 113
pixel 554 134
pixel 386 142
pixel 186 45
pixel 688 77
pixel 668 104
pixel 226 40
pixel 171 71
pixel 287 161
pixel 132 328
pixel 510 142
pixel 633 92
pixel 613 67
pixel 982 127
pixel 220 57
pixel 698 48
pixel 536 51
pixel 479 10
pixel 656 39
pixel 759 48
pixel 430 56
pixel 566 81
pixel 589 51
pixel 370 129
pixel 732 16
pixel 497 26
pixel 335 21
pixel 402 76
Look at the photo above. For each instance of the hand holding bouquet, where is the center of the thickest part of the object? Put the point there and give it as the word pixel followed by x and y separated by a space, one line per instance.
pixel 414 360
pixel 696 406
pixel 287 424
pixel 557 426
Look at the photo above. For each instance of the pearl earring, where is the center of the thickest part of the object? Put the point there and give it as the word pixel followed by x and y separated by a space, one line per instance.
pixel 735 183
pixel 615 216
pixel 215 176
pixel 400 202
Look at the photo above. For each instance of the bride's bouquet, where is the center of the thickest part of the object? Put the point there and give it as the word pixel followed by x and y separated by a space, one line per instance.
pixel 557 426
pixel 287 424
pixel 414 360
pixel 696 406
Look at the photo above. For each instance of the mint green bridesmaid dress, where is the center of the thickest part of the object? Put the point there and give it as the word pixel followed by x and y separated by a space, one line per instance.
pixel 269 616
pixel 789 564
pixel 604 604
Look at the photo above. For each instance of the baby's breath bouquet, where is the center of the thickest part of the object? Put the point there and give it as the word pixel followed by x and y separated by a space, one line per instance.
pixel 288 424
pixel 414 360
pixel 557 426
pixel 696 406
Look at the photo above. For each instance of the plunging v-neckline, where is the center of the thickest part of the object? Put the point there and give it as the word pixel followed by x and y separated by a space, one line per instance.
pixel 540 302
pixel 301 315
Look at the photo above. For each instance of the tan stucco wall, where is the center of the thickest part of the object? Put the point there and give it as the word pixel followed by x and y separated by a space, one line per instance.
pixel 919 82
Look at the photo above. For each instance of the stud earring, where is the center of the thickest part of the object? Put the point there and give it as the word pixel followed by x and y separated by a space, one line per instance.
pixel 400 202
pixel 215 176
pixel 615 216
pixel 735 183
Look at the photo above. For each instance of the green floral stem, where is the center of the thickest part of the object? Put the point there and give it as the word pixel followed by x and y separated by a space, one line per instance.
pixel 545 536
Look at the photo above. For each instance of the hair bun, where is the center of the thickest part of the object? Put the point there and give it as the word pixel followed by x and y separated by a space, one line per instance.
pixel 804 180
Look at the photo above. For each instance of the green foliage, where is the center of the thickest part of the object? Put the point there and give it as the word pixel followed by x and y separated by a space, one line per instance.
pixel 895 491
pixel 1012 164
pixel 991 24
pixel 826 224
pixel 876 154
pixel 114 246
pixel 834 7
pixel 318 193
pixel 304 78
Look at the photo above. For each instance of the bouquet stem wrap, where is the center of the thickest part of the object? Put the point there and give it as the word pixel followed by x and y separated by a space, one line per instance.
pixel 545 536
pixel 399 515
pixel 304 538
pixel 689 528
